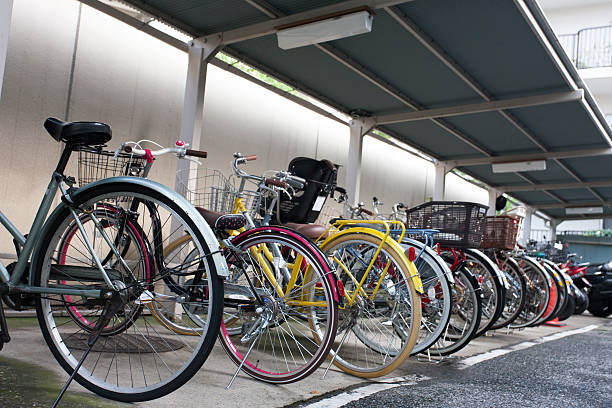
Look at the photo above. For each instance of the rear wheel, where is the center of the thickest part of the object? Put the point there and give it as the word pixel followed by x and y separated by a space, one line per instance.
pixel 538 293
pixel 136 358
pixel 380 326
pixel 516 293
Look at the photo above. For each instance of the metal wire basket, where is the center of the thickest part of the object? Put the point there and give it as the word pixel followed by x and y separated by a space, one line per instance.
pixel 210 189
pixel 96 163
pixel 460 223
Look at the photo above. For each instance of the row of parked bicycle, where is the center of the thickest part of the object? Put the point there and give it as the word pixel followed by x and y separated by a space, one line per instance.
pixel 131 283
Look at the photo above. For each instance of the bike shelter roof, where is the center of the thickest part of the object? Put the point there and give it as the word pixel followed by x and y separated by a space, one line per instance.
pixel 468 82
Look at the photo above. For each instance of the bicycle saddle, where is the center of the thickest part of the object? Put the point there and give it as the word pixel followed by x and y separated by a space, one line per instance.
pixel 78 133
pixel 222 222
pixel 311 231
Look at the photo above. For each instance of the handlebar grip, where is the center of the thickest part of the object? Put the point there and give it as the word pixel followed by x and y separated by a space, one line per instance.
pixel 370 213
pixel 196 153
pixel 251 157
pixel 277 183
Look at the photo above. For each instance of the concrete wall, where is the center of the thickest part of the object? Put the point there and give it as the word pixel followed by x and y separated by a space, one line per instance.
pixel 135 83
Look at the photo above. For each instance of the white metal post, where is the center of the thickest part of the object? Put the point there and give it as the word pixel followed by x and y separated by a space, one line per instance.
pixel 527 226
pixel 553 230
pixel 358 128
pixel 191 122
pixel 6 10
pixel 440 181
pixel 193 104
pixel 492 198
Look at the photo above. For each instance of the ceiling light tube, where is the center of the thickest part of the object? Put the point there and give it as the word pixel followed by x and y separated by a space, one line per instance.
pixel 533 165
pixel 583 210
pixel 325 30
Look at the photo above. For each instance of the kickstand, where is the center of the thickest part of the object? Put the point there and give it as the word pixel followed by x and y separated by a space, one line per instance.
pixel 112 306
pixel 243 361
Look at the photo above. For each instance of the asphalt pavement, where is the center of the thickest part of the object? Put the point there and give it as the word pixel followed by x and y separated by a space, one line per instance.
pixel 531 367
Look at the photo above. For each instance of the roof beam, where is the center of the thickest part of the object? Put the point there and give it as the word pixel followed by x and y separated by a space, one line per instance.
pixel 271 26
pixel 572 205
pixel 568 154
pixel 137 24
pixel 495 105
pixel 555 186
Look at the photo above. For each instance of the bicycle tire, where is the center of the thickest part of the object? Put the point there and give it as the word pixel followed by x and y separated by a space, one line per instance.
pixel 538 293
pixel 492 285
pixel 465 318
pixel 183 357
pixel 436 300
pixel 399 306
pixel 305 318
pixel 516 295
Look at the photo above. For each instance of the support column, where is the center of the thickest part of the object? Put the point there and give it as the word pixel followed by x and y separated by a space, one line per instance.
pixel 6 10
pixel 358 128
pixel 492 198
pixel 527 227
pixel 193 104
pixel 553 229
pixel 440 180
pixel 191 129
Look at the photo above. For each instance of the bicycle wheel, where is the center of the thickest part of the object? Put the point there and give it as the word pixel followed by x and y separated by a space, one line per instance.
pixel 538 293
pixel 516 293
pixel 378 329
pixel 280 316
pixel 144 360
pixel 556 296
pixel 492 286
pixel 436 300
pixel 465 317
pixel 140 260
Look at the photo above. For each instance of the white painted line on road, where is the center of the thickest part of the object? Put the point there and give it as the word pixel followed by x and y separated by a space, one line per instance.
pixel 385 384
pixel 479 358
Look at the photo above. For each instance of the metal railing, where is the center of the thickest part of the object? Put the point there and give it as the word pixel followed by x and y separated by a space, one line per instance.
pixel 590 47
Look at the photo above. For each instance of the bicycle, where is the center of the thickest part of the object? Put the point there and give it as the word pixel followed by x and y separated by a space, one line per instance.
pixel 281 293
pixel 373 256
pixel 89 290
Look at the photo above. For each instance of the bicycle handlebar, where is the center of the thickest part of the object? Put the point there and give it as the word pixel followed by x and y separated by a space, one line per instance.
pixel 180 151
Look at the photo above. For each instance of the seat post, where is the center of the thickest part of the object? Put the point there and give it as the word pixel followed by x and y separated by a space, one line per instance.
pixel 63 161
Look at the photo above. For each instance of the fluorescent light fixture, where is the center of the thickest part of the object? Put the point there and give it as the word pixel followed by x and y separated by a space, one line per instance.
pixel 325 30
pixel 584 210
pixel 519 166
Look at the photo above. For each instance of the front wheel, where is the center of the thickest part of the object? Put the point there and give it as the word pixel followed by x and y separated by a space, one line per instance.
pixel 136 358
pixel 280 315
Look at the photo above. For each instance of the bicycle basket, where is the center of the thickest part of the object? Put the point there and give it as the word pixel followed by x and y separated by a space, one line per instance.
pixel 501 232
pixel 460 223
pixel 210 189
pixel 96 164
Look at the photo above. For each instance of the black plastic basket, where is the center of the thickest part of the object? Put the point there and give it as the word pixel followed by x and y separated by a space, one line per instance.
pixel 460 223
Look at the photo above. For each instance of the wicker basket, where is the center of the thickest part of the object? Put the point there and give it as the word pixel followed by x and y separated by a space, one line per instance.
pixel 460 223
pixel 210 189
pixel 96 164
pixel 501 232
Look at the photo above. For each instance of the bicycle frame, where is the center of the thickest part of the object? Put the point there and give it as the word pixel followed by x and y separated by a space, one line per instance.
pixel 28 245
pixel 357 226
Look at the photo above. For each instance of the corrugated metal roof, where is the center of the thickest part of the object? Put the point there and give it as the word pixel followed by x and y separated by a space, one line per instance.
pixel 487 50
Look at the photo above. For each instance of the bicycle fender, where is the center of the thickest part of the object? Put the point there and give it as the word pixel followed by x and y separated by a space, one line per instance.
pixel 414 274
pixel 186 206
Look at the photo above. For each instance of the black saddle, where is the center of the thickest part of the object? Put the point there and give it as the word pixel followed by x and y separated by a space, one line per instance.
pixel 78 133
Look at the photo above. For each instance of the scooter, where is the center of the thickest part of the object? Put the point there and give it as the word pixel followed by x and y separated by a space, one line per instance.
pixel 596 280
